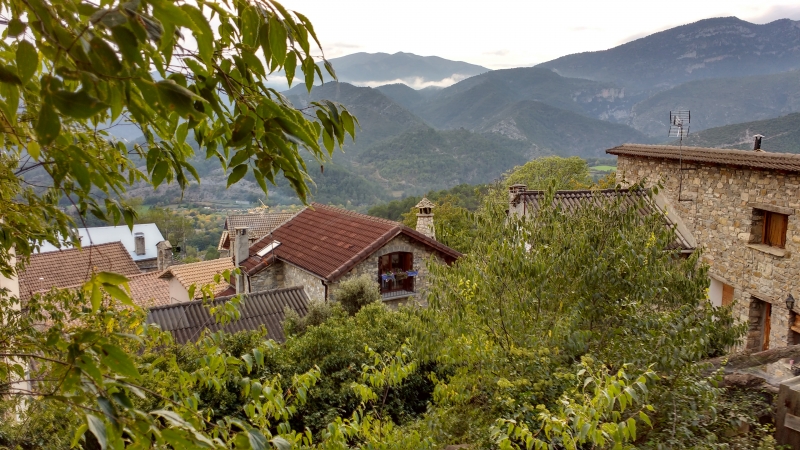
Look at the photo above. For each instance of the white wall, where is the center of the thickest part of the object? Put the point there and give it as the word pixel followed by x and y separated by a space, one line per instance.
pixel 177 293
pixel 715 292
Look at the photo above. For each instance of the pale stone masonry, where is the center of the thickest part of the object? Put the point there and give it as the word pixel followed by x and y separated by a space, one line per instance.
pixel 723 197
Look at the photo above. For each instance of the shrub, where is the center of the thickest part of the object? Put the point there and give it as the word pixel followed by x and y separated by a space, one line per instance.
pixel 318 313
pixel 355 293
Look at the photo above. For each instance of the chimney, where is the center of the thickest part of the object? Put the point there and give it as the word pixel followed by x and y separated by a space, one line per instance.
pixel 513 191
pixel 425 218
pixel 241 251
pixel 163 255
pixel 757 143
pixel 138 239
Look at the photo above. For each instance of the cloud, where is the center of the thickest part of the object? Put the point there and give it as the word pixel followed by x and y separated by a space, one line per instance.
pixel 415 82
pixel 497 53
pixel 777 12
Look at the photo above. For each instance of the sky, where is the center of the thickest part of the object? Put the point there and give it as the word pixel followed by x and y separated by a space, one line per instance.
pixel 506 33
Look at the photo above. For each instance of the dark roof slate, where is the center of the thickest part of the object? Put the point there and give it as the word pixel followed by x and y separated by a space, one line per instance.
pixel 329 241
pixel 186 321
pixel 572 200
pixel 742 158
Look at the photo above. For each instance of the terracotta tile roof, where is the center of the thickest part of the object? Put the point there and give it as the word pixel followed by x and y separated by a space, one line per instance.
pixel 329 241
pixel 258 225
pixel 743 158
pixel 186 321
pixel 572 200
pixel 71 267
pixel 149 290
pixel 200 273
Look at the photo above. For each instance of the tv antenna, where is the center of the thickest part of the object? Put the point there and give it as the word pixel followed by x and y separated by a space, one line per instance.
pixel 678 128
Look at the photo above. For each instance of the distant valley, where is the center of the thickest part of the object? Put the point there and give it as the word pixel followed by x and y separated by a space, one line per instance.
pixel 431 123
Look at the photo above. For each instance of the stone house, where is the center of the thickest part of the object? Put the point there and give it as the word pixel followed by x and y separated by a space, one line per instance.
pixel 322 245
pixel 741 208
pixel 522 202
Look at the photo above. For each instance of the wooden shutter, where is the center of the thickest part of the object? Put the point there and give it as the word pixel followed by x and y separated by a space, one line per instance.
pixel 727 295
pixel 775 229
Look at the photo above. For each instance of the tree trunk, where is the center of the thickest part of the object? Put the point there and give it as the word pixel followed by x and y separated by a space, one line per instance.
pixel 744 360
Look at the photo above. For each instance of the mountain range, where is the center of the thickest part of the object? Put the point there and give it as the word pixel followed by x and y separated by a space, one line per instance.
pixel 781 135
pixel 430 123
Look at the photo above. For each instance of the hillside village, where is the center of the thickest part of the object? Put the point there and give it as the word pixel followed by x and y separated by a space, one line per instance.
pixel 524 258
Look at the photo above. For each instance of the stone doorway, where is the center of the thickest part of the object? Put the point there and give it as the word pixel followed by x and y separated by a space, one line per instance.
pixel 759 323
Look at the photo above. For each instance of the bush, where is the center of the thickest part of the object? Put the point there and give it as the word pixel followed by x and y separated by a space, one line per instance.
pixel 355 293
pixel 318 313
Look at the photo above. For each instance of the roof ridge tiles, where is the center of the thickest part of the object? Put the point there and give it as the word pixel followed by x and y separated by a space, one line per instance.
pixel 734 157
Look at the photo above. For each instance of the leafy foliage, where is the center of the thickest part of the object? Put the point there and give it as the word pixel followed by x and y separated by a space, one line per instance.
pixel 356 293
pixel 70 69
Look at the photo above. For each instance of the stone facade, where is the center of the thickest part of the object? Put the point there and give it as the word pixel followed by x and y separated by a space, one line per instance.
pixel 281 274
pixel 724 207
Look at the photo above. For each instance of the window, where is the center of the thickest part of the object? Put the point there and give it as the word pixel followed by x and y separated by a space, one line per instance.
pixel 774 229
pixel 396 273
pixel 720 294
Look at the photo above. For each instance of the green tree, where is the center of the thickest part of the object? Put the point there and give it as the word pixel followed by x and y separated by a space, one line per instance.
pixel 69 70
pixel 539 303
pixel 567 173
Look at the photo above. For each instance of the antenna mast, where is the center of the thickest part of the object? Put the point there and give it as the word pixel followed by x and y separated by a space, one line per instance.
pixel 678 128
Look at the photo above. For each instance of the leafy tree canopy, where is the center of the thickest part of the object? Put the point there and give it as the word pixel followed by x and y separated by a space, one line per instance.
pixel 71 70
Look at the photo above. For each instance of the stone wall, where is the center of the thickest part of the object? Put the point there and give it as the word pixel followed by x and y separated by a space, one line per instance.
pixel 400 243
pixel 723 208
pixel 270 278
pixel 311 283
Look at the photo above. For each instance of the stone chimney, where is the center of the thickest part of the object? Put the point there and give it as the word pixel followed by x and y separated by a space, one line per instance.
pixel 138 240
pixel 513 191
pixel 425 218
pixel 757 143
pixel 240 248
pixel 163 255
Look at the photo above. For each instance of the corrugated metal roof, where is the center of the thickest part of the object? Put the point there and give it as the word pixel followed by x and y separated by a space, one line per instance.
pixel 123 234
pixel 743 158
pixel 572 200
pixel 329 241
pixel 186 321
pixel 71 267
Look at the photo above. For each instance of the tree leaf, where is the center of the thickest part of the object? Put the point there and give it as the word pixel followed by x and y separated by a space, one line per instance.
pixel 118 361
pixel 277 40
pixel 167 12
pixel 16 27
pixel 7 75
pixel 281 443
pixel 242 128
pixel 48 125
pixel 79 105
pixel 289 66
pixel 257 439
pixel 237 173
pixel 27 60
pixel 98 429
pixel 128 45
pixel 159 172
pixel 104 58
pixel 202 34
pixel 177 98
